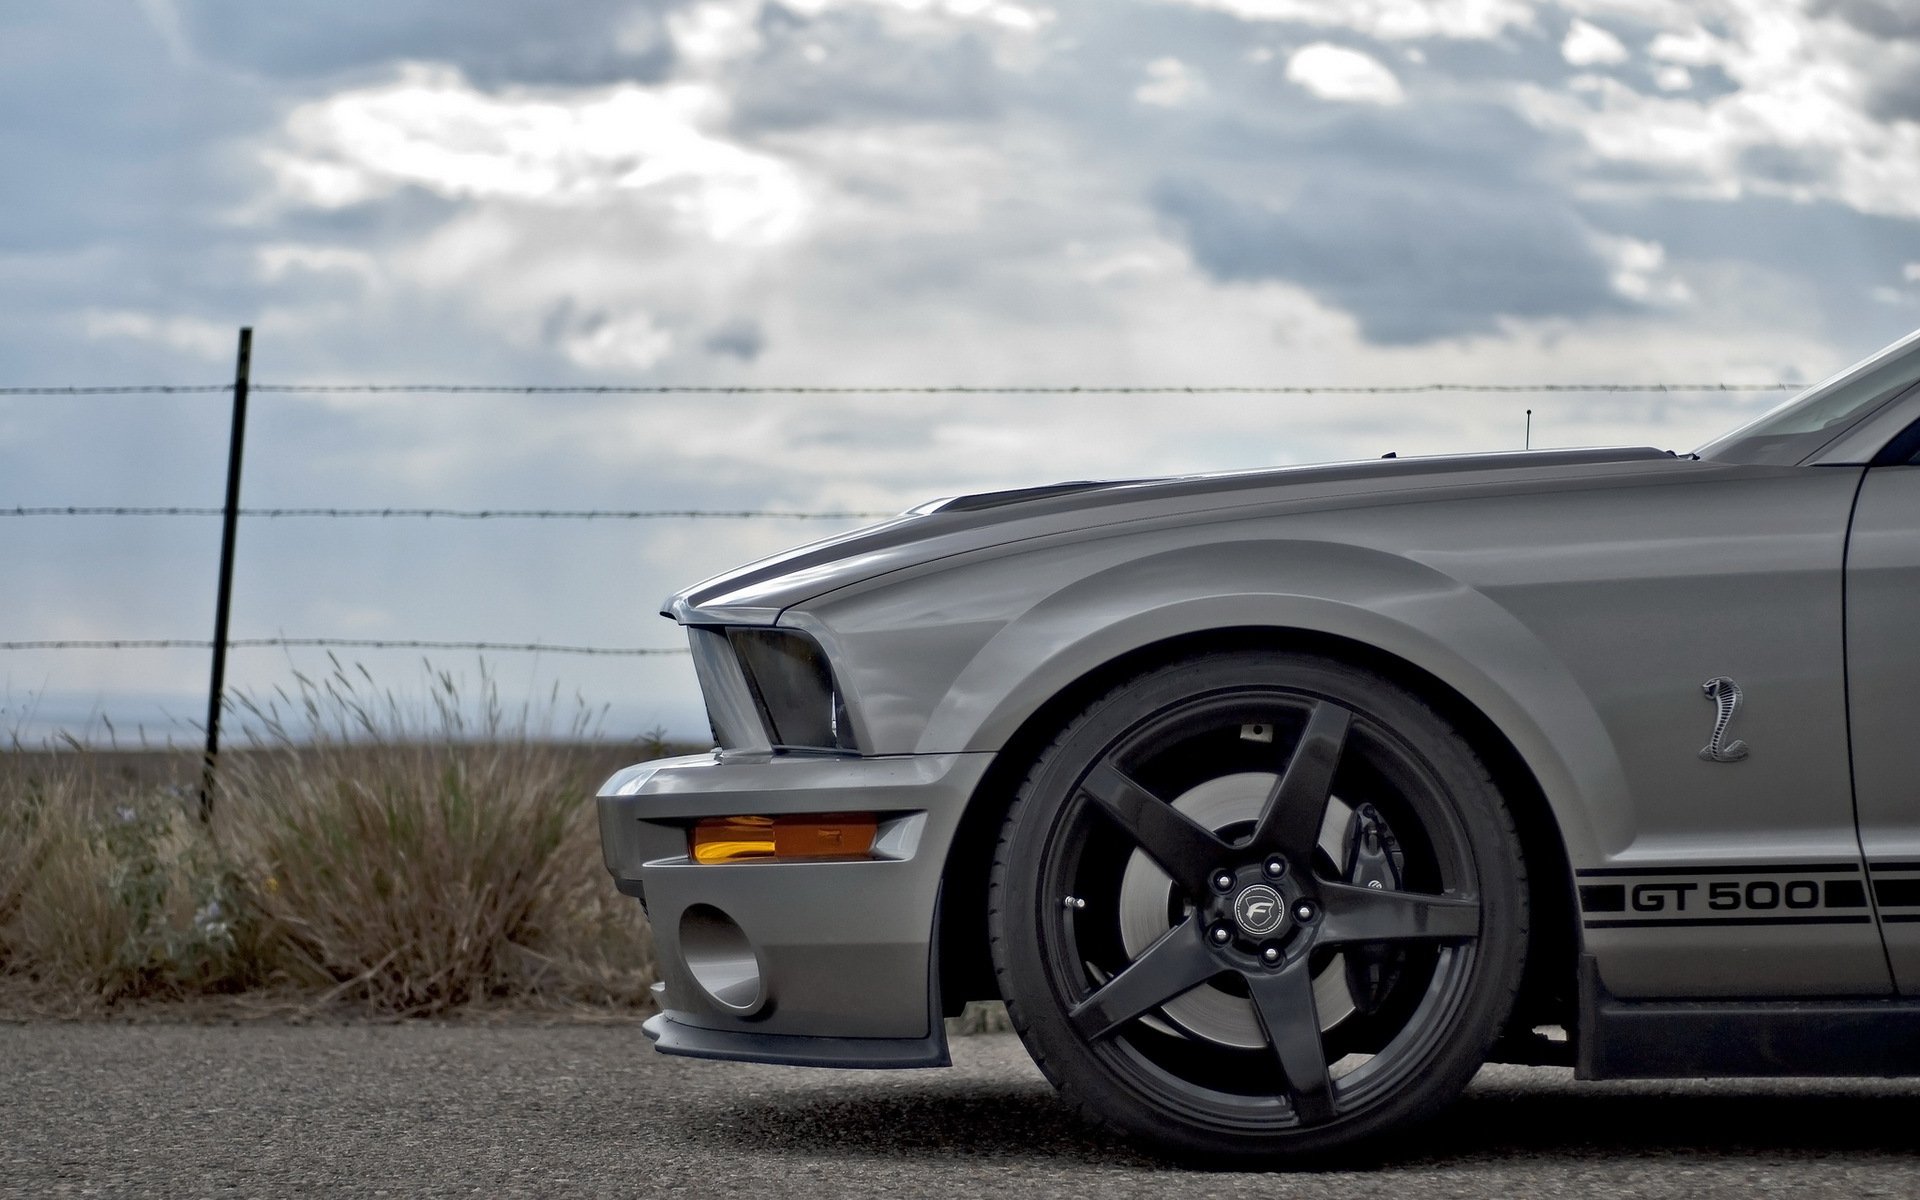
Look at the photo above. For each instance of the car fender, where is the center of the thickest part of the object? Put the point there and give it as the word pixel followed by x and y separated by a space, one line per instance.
pixel 1395 605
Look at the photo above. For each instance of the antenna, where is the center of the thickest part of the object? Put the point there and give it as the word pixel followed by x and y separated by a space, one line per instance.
pixel 1528 445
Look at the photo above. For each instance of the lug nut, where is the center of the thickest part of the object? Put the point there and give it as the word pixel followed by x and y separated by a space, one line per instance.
pixel 1221 935
pixel 1305 911
pixel 1271 956
pixel 1223 881
pixel 1276 867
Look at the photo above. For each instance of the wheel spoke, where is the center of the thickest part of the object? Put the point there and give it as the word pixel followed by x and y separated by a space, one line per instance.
pixel 1284 1000
pixel 1176 963
pixel 1358 914
pixel 1290 821
pixel 1184 850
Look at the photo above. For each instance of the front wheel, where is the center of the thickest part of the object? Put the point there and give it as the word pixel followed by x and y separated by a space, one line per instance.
pixel 1258 905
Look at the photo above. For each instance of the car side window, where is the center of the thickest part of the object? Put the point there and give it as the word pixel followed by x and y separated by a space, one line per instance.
pixel 1903 450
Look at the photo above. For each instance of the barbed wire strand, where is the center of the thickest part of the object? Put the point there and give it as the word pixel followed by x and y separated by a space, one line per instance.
pixel 130 389
pixel 545 389
pixel 346 643
pixel 459 514
pixel 1024 390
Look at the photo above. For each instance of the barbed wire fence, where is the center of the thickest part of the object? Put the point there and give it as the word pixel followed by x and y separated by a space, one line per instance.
pixel 241 387
pixel 335 644
pixel 458 514
pixel 674 389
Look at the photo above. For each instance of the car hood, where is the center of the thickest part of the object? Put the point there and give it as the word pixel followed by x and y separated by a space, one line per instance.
pixel 758 592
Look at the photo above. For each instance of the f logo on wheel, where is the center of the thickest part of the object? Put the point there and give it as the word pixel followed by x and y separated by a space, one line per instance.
pixel 1259 910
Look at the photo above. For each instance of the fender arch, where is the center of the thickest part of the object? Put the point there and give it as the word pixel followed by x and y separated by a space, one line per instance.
pixel 1398 608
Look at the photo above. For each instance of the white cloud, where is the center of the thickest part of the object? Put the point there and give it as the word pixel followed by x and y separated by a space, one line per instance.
pixel 1337 73
pixel 715 32
pixel 188 335
pixel 1801 96
pixel 1391 20
pixel 1587 44
pixel 630 342
pixel 1024 18
pixel 431 129
pixel 1911 272
pixel 276 261
pixel 1639 271
pixel 1673 78
pixel 1170 83
pixel 1694 48
pixel 1007 14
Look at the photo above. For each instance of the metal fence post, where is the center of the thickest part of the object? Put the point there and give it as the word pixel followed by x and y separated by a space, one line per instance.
pixel 216 687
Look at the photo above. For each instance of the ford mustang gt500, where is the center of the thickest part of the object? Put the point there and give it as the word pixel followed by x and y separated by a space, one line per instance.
pixel 1275 803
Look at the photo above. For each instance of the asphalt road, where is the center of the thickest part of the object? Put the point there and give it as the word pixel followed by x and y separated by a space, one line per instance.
pixel 483 1110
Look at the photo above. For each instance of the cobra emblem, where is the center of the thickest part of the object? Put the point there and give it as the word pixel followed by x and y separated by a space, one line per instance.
pixel 1725 694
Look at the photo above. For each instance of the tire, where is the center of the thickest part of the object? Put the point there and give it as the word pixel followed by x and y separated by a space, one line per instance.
pixel 1258 906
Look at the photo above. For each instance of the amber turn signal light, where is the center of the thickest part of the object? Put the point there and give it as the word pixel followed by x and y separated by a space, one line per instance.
pixel 777 839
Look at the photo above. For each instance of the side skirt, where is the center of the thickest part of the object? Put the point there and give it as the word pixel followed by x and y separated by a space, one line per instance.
pixel 1670 1039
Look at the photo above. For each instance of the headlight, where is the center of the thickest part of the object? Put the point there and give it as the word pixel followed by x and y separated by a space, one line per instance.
pixel 770 689
pixel 794 688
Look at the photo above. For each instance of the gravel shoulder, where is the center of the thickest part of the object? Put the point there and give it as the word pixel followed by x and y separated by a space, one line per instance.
pixel 421 1109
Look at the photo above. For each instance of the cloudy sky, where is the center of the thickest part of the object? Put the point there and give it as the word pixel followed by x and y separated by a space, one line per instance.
pixel 856 192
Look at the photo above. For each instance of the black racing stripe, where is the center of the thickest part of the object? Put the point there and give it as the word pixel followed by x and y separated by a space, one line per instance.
pixel 1603 897
pixel 1900 918
pixel 1670 872
pixel 1846 893
pixel 1897 893
pixel 1896 866
pixel 1695 922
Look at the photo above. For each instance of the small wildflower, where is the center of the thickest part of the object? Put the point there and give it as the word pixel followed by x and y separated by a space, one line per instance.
pixel 208 921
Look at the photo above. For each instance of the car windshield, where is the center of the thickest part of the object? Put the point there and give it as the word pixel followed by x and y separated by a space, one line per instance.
pixel 1789 433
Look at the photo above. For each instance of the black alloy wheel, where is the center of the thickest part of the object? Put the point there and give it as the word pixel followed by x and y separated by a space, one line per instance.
pixel 1258 905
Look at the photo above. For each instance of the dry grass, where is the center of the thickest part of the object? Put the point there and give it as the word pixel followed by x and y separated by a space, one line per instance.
pixel 397 857
pixel 112 896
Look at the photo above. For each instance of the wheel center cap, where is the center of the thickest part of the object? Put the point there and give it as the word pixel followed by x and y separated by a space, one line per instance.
pixel 1259 910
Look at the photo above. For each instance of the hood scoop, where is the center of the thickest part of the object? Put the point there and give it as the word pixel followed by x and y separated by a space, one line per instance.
pixel 981 501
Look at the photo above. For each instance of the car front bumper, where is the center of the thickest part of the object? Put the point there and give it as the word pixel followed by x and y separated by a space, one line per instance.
pixel 825 963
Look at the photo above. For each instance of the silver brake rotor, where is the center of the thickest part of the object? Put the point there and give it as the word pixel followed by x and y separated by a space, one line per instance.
pixel 1149 905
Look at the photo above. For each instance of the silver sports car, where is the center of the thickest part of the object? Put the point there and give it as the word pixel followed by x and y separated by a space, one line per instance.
pixel 1275 803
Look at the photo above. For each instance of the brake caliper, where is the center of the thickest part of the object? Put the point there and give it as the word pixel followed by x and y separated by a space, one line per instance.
pixel 1374 860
